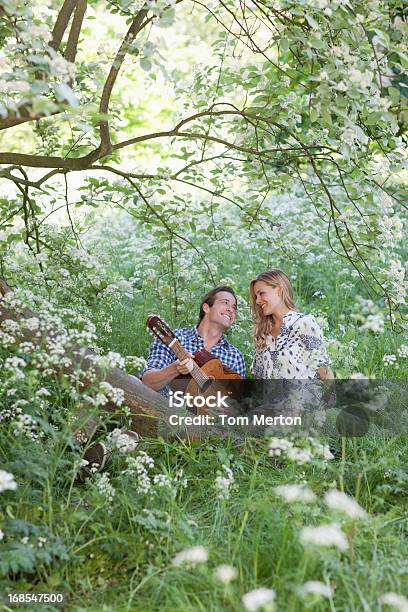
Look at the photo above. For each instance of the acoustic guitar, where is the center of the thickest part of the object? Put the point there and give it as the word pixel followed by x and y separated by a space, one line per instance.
pixel 206 367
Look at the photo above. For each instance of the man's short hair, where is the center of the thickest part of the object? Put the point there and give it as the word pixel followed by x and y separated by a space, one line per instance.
pixel 209 299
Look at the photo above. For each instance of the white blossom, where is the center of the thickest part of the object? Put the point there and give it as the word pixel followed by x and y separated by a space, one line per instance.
pixel 315 587
pixel 374 323
pixel 224 482
pixel 105 487
pixel 403 351
pixel 191 556
pixel 337 500
pixel 390 360
pixel 259 599
pixel 395 600
pixel 295 493
pixel 324 535
pixel 320 450
pixel 225 573
pixel 162 480
pixel 7 482
pixel 279 445
pixel 124 442
pixel 299 455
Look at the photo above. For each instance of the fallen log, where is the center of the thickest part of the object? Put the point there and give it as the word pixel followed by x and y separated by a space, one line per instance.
pixel 149 410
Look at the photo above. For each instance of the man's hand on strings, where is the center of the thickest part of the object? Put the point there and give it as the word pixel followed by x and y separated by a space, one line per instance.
pixel 186 365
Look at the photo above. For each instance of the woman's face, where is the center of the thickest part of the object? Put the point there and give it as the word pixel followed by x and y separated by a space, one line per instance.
pixel 268 298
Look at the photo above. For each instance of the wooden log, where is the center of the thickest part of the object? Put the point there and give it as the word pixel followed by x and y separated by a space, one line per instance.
pixel 149 410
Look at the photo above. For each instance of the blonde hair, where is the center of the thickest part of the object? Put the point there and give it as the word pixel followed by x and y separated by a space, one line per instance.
pixel 263 323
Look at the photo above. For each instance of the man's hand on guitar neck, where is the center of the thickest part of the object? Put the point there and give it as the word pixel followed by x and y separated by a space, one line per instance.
pixel 157 379
pixel 186 365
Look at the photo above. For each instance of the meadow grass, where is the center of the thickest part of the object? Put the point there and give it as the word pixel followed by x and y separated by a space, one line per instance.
pixel 109 544
pixel 119 555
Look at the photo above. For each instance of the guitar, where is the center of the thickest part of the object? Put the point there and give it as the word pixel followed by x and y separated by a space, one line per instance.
pixel 206 367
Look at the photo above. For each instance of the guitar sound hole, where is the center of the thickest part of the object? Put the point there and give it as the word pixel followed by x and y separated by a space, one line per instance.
pixel 205 386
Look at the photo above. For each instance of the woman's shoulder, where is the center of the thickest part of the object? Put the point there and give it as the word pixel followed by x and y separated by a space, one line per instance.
pixel 293 318
pixel 302 321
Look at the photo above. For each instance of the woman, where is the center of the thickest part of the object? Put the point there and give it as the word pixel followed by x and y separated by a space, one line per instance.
pixel 288 344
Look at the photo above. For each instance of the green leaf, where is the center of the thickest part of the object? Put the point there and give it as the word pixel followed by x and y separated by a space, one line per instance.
pixel 326 116
pixel 394 94
pixel 145 64
pixel 314 115
pixel 64 92
pixel 284 44
pixel 317 43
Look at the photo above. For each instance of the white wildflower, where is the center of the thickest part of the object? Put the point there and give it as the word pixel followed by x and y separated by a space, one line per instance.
pixel 324 535
pixel 25 424
pixel 14 365
pixel 140 465
pixel 225 573
pixel 7 482
pixel 132 361
pixel 105 487
pixel 320 450
pixel 259 599
pixel 315 587
pixel 319 294
pixel 32 323
pixel 114 394
pixel 1 534
pixel 294 493
pixel 35 31
pixel 191 556
pixel 111 360
pixel 390 360
pixel 299 455
pixel 124 442
pixel 224 482
pixel 145 459
pixel 394 599
pixel 362 79
pixel 374 323
pixel 403 351
pixel 279 445
pixel 162 481
pixel 337 500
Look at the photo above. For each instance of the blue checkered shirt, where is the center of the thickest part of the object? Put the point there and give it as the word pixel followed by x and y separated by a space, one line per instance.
pixel 160 355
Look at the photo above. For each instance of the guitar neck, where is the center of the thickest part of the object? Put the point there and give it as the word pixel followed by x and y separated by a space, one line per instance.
pixel 181 353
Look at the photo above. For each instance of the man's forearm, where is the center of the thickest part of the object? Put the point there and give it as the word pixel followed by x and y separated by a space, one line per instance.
pixel 157 379
pixel 325 373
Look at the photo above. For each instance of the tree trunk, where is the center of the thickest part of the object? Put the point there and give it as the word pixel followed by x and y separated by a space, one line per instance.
pixel 149 409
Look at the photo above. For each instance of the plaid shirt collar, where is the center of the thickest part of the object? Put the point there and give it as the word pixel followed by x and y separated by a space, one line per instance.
pixel 195 333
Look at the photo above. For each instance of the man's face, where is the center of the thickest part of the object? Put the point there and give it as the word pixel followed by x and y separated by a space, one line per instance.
pixel 224 310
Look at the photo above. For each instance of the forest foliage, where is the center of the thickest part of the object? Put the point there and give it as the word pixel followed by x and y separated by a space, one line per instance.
pixel 153 149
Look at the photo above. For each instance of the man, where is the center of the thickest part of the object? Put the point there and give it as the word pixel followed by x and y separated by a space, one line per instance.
pixel 217 314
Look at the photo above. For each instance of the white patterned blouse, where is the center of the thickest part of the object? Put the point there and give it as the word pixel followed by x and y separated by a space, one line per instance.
pixel 296 352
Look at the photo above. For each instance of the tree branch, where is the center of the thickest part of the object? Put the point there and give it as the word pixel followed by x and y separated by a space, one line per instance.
pixel 25 112
pixel 76 26
pixel 83 163
pixel 137 25
pixel 61 23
